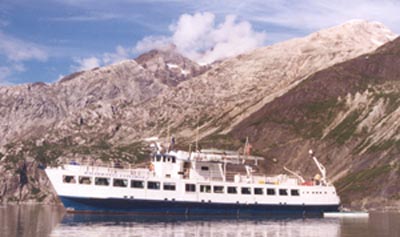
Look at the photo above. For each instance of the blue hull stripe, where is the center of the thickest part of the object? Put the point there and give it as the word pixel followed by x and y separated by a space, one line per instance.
pixel 112 205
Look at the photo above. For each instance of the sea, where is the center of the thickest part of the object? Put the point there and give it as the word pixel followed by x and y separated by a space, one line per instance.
pixel 43 220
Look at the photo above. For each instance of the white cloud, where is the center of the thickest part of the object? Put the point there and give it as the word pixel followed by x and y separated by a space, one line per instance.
pixel 94 16
pixel 308 15
pixel 5 72
pixel 199 38
pixel 14 52
pixel 18 50
pixel 84 64
pixel 120 54
pixel 151 42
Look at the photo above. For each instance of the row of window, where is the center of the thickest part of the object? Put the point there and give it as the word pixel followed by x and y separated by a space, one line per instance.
pixel 164 158
pixel 245 190
pixel 155 185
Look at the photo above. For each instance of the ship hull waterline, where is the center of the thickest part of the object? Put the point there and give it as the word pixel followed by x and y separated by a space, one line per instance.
pixel 156 207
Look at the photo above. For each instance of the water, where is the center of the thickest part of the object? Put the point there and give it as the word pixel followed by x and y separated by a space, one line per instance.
pixel 39 221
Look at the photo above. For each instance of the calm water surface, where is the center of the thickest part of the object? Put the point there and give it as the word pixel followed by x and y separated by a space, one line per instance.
pixel 38 221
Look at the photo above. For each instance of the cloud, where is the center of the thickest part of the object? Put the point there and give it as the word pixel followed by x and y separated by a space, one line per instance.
pixel 7 71
pixel 120 54
pixel 151 42
pixel 14 52
pixel 3 23
pixel 18 50
pixel 83 64
pixel 201 39
pixel 86 63
pixel 96 16
pixel 308 15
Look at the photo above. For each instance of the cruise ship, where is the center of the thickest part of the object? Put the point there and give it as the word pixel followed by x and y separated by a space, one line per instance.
pixel 206 182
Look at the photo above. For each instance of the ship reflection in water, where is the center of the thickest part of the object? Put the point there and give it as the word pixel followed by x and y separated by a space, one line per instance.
pixel 89 225
pixel 39 221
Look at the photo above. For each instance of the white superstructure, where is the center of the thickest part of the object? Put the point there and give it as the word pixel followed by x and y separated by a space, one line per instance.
pixel 179 177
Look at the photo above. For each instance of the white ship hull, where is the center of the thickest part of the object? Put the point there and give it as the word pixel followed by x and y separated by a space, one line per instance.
pixel 142 191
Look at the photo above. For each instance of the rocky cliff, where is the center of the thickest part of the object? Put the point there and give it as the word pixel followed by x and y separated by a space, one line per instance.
pixel 349 113
pixel 267 95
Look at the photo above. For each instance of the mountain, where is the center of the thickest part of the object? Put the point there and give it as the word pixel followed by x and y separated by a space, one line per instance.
pixel 169 66
pixel 105 113
pixel 350 114
pixel 233 89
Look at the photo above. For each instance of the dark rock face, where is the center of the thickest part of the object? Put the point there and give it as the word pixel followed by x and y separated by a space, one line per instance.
pixel 348 113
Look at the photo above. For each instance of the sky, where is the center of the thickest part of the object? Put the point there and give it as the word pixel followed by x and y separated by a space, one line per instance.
pixel 44 40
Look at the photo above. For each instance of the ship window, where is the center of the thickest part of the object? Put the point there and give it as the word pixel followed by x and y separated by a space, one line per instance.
pixel 218 189
pixel 85 180
pixel 169 186
pixel 153 185
pixel 102 181
pixel 69 179
pixel 158 158
pixel 270 191
pixel 137 184
pixel 164 158
pixel 120 183
pixel 258 191
pixel 190 188
pixel 294 192
pixel 205 188
pixel 173 159
pixel 283 192
pixel 246 190
pixel 232 190
pixel 204 168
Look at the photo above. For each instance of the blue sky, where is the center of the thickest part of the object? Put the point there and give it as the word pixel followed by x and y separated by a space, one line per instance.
pixel 43 40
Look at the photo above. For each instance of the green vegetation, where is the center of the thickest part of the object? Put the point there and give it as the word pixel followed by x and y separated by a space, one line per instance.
pixel 35 191
pixel 392 100
pixel 346 129
pixel 362 182
pixel 102 144
pixel 134 152
pixel 41 198
pixel 219 141
pixel 385 145
pixel 47 153
pixel 319 115
pixel 12 199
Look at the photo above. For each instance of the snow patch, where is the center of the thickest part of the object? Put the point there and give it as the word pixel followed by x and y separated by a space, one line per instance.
pixel 173 66
pixel 170 66
pixel 377 42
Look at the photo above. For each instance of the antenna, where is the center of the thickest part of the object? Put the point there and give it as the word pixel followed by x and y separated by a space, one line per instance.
pixel 197 126
pixel 246 146
pixel 168 135
pixel 321 168
pixel 294 173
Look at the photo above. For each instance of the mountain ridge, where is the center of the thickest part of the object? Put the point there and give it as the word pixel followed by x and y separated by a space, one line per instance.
pixel 105 113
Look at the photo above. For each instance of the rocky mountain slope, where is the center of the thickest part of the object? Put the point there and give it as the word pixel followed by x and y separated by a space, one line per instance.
pixel 350 114
pixel 169 66
pixel 233 89
pixel 105 113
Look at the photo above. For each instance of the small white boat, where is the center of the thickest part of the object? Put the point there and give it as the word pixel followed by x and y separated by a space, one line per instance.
pixel 346 214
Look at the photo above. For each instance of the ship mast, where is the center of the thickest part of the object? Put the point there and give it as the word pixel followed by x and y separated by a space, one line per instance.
pixel 321 168
pixel 197 127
